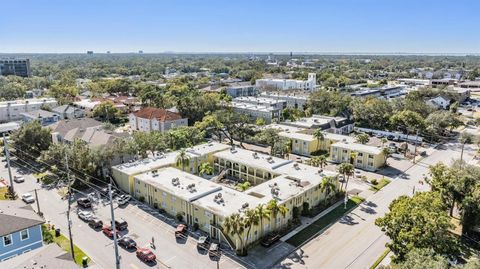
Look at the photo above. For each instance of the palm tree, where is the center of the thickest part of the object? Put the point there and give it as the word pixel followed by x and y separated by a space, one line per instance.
pixel 183 159
pixel 465 138
pixel 234 225
pixel 386 154
pixel 275 208
pixel 362 138
pixel 244 186
pixel 318 134
pixel 322 161
pixel 353 157
pixel 327 186
pixel 346 169
pixel 384 140
pixel 263 213
pixel 205 169
pixel 251 219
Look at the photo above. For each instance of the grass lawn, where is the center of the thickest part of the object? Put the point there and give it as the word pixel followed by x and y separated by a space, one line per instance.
pixel 384 182
pixel 312 229
pixel 64 243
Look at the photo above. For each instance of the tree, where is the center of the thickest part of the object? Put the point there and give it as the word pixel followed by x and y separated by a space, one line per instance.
pixel 182 159
pixel 263 213
pixel 383 140
pixel 234 225
pixel 346 169
pixel 386 153
pixel 328 186
pixel 31 139
pixel 260 122
pixel 275 209
pixel 407 121
pixel 362 138
pixel 106 111
pixel 422 258
pixel 244 186
pixel 420 221
pixel 205 169
pixel 318 134
pixel 319 161
pixel 465 138
pixel 268 136
pixel 371 112
pixel 251 219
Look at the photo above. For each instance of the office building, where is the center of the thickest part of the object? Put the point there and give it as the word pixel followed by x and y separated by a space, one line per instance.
pixel 288 84
pixel 15 67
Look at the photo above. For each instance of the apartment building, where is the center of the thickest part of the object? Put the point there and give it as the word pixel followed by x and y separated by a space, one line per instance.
pixel 335 125
pixel 15 67
pixel 155 119
pixel 44 117
pixel 288 84
pixel 367 157
pixel 268 113
pixel 12 110
pixel 293 100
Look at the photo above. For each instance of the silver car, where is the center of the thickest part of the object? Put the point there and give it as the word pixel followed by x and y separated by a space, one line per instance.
pixel 28 198
pixel 18 179
pixel 85 215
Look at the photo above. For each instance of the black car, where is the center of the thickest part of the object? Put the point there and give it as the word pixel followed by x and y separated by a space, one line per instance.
pixel 390 137
pixel 270 240
pixel 127 242
pixel 84 202
pixel 121 224
pixel 95 223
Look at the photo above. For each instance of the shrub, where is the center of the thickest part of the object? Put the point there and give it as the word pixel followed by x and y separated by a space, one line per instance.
pixel 179 216
pixel 162 211
pixel 155 205
pixel 47 236
pixel 141 199
pixel 195 226
pixel 305 209
pixel 374 182
pixel 296 212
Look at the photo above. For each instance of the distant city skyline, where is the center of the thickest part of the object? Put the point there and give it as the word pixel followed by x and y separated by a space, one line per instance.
pixel 322 27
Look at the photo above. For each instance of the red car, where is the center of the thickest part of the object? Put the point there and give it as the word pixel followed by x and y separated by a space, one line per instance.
pixel 107 230
pixel 181 230
pixel 146 255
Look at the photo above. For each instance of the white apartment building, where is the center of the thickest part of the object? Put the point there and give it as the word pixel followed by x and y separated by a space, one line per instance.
pixel 12 110
pixel 293 101
pixel 155 119
pixel 268 113
pixel 288 84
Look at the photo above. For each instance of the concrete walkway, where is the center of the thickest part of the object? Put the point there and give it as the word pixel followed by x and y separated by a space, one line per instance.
pixel 307 221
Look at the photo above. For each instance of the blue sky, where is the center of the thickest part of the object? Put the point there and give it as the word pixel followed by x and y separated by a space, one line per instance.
pixel 412 26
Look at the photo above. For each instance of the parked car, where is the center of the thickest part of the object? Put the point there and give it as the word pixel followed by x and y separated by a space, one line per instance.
pixel 85 215
pixel 121 225
pixel 95 223
pixel 127 242
pixel 28 198
pixel 104 191
pixel 123 199
pixel 181 230
pixel 107 230
pixel 84 202
pixel 270 240
pixel 213 250
pixel 146 255
pixel 203 242
pixel 378 135
pixel 390 137
pixel 18 179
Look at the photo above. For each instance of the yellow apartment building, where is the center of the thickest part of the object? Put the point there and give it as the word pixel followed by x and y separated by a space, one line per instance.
pixel 367 157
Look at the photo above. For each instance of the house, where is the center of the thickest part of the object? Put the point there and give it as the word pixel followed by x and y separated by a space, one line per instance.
pixel 20 229
pixel 87 105
pixel 69 112
pixel 12 110
pixel 44 117
pixel 48 256
pixel 155 119
pixel 439 102
pixel 66 130
pixel 369 158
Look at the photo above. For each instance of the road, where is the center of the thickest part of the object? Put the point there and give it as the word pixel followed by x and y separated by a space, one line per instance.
pixel 142 226
pixel 354 241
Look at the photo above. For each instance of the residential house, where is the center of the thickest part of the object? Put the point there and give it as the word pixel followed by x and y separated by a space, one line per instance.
pixel 44 117
pixel 20 229
pixel 439 102
pixel 69 112
pixel 12 110
pixel 155 119
pixel 48 256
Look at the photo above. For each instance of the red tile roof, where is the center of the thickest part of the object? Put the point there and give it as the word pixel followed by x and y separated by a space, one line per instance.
pixel 157 113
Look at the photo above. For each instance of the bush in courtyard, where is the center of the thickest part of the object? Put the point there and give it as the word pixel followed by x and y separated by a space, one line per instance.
pixel 179 217
pixel 141 199
pixel 195 226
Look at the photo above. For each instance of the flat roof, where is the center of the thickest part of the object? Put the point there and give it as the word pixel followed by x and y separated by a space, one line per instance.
pixel 30 101
pixel 358 147
pixel 280 188
pixel 260 100
pixel 301 135
pixel 231 201
pixel 304 172
pixel 252 159
pixel 253 107
pixel 186 186
pixel 206 148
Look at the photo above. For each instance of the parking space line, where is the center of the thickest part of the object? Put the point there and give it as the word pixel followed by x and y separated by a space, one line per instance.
pixel 170 259
pixel 134 266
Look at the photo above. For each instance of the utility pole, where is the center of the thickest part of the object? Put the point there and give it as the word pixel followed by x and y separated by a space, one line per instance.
pixel 7 156
pixel 117 258
pixel 68 211
pixel 38 203
pixel 415 151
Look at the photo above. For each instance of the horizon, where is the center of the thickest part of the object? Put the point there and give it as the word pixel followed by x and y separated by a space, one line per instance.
pixel 311 27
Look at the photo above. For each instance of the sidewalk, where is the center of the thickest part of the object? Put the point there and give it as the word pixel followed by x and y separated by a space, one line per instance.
pixel 307 221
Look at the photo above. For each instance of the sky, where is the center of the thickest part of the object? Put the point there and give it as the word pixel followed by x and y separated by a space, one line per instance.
pixel 334 26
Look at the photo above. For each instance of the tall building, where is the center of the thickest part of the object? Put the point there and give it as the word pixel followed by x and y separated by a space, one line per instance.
pixel 15 67
pixel 288 84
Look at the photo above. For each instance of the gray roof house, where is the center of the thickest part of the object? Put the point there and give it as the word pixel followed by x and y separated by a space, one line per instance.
pixel 44 117
pixel 49 256
pixel 69 112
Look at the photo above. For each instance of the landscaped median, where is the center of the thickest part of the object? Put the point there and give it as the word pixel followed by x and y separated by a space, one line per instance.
pixel 379 185
pixel 63 242
pixel 332 216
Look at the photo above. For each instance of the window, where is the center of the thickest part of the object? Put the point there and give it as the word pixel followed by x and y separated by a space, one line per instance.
pixel 7 240
pixel 24 234
pixel 370 156
pixel 164 194
pixel 174 198
pixel 360 154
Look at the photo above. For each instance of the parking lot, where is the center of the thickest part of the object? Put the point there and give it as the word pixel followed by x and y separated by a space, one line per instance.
pixel 143 224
